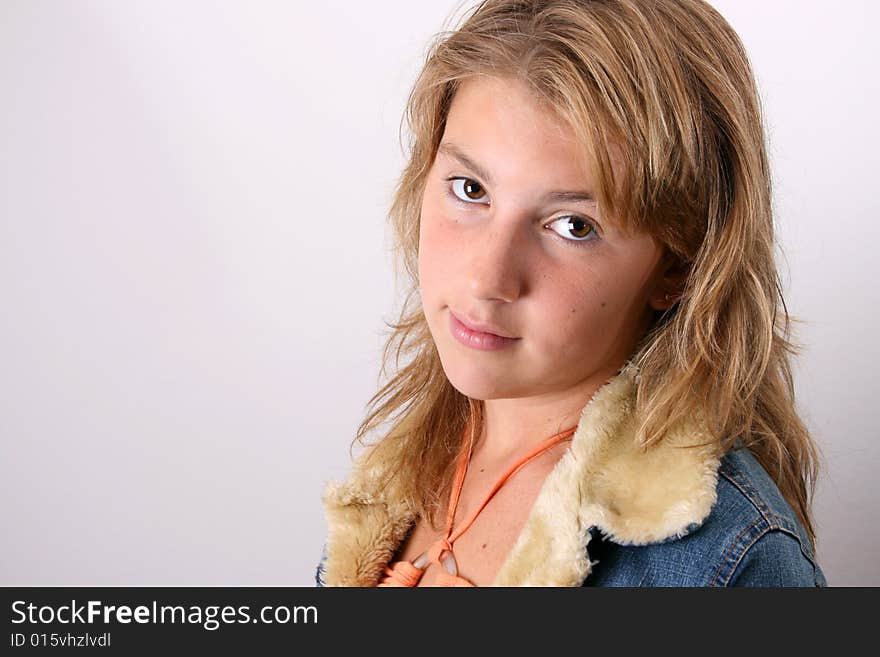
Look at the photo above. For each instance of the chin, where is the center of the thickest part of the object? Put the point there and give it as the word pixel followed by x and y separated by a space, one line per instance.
pixel 477 382
pixel 480 392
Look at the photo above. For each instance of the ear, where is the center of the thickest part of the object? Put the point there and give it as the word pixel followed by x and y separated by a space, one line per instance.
pixel 672 274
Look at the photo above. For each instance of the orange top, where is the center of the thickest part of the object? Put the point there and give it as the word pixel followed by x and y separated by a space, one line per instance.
pixel 408 574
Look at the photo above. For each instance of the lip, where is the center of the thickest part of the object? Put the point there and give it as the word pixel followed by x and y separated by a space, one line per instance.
pixel 469 336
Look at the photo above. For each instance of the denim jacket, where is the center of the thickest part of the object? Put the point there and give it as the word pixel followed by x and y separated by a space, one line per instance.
pixel 608 514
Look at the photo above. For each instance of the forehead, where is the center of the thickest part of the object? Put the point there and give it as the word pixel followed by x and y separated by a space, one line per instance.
pixel 500 123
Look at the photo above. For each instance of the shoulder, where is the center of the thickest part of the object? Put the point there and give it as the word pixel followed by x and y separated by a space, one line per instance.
pixel 751 537
pixel 765 543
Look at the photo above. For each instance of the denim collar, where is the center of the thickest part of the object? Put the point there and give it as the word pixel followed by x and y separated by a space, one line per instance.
pixel 633 495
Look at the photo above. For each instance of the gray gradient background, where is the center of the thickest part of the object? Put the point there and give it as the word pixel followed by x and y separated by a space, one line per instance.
pixel 195 270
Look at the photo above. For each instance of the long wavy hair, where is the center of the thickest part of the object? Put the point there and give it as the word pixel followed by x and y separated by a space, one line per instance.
pixel 669 83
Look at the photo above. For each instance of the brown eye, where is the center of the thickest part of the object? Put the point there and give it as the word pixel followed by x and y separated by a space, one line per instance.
pixel 472 189
pixel 574 229
pixel 467 190
pixel 578 227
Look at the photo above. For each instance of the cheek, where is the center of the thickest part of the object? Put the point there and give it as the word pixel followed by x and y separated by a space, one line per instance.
pixel 437 225
pixel 576 309
pixel 436 255
pixel 589 317
pixel 572 291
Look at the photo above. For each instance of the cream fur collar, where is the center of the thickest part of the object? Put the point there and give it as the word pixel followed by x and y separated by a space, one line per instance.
pixel 604 480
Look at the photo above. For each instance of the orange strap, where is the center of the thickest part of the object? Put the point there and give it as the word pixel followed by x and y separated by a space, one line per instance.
pixel 408 574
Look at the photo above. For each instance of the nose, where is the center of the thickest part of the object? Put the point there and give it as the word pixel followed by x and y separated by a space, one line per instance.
pixel 498 261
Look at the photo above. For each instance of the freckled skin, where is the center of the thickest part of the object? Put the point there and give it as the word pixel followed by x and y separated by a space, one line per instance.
pixel 579 309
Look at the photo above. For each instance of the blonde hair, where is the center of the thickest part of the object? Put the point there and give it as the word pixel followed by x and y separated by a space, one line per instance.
pixel 668 82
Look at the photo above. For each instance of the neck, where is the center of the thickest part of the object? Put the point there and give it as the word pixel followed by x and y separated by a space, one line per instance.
pixel 512 426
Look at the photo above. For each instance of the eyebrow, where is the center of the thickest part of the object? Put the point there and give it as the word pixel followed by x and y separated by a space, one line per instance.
pixel 448 148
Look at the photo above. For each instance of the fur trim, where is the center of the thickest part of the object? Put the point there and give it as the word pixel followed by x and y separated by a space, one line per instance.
pixel 604 479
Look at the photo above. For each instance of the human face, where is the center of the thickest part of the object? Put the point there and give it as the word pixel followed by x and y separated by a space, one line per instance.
pixel 495 247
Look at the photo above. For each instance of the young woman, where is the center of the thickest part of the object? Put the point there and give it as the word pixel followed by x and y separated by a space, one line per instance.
pixel 597 389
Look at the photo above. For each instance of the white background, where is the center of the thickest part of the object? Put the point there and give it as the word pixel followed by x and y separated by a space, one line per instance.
pixel 195 271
